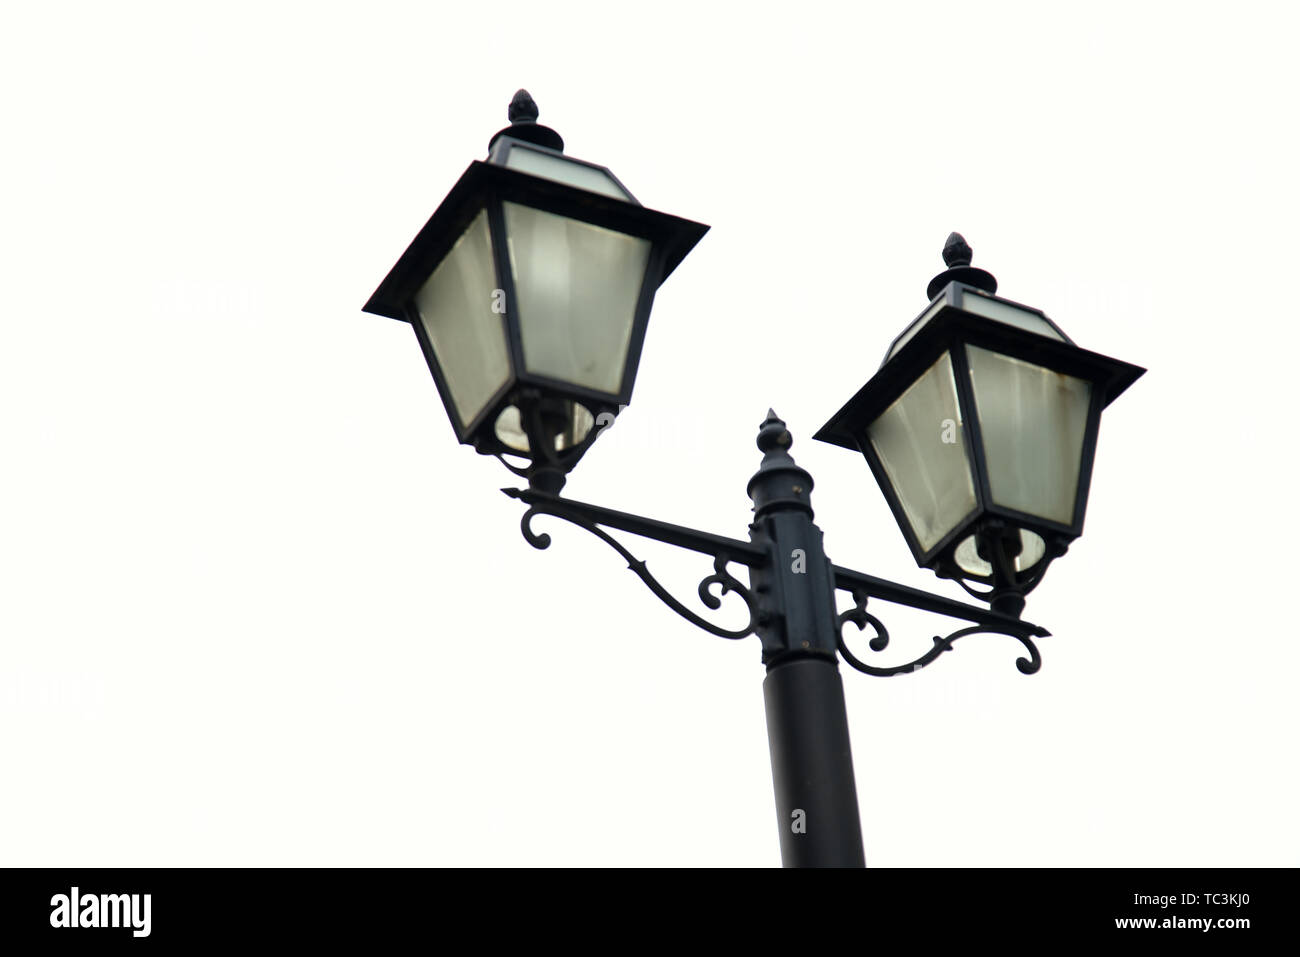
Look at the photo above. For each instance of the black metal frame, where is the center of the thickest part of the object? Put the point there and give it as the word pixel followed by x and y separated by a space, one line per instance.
pixel 487 186
pixel 767 605
pixel 950 331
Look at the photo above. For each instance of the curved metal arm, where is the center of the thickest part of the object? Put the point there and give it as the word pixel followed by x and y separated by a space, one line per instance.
pixel 859 616
pixel 550 505
pixel 846 579
pixel 726 551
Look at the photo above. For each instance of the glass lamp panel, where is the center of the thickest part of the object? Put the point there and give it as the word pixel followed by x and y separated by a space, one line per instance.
pixel 1032 421
pixel 577 286
pixel 561 169
pixel 1005 312
pixel 455 307
pixel 910 332
pixel 922 445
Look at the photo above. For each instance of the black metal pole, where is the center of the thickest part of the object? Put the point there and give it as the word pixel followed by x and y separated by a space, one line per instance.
pixel 812 766
pixel 807 727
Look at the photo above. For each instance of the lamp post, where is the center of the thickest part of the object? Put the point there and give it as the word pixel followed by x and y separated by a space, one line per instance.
pixel 530 290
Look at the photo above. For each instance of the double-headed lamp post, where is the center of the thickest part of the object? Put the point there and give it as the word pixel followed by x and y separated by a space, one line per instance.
pixel 529 291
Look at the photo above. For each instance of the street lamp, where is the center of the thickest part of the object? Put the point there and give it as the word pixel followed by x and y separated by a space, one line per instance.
pixel 529 291
pixel 980 428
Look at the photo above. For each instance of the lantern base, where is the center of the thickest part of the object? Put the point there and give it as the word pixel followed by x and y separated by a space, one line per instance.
pixel 545 434
pixel 547 479
pixel 999 547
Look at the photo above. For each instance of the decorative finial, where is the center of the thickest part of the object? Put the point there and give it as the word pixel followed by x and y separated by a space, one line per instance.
pixel 957 257
pixel 523 109
pixel 779 483
pixel 773 434
pixel 956 251
pixel 524 126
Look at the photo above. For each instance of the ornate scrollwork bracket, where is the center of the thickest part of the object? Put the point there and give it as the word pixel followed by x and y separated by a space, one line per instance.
pixel 756 555
pixel 862 587
pixel 724 552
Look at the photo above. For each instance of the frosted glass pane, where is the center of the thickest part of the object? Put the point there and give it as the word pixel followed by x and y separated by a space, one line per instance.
pixel 1032 420
pixel 563 170
pixel 577 286
pixel 916 326
pixel 1011 315
pixel 455 308
pixel 921 442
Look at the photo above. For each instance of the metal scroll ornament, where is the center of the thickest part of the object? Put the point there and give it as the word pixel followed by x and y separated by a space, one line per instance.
pixel 859 616
pixel 721 576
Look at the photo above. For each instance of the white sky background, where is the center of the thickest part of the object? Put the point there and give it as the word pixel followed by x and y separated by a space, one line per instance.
pixel 258 607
